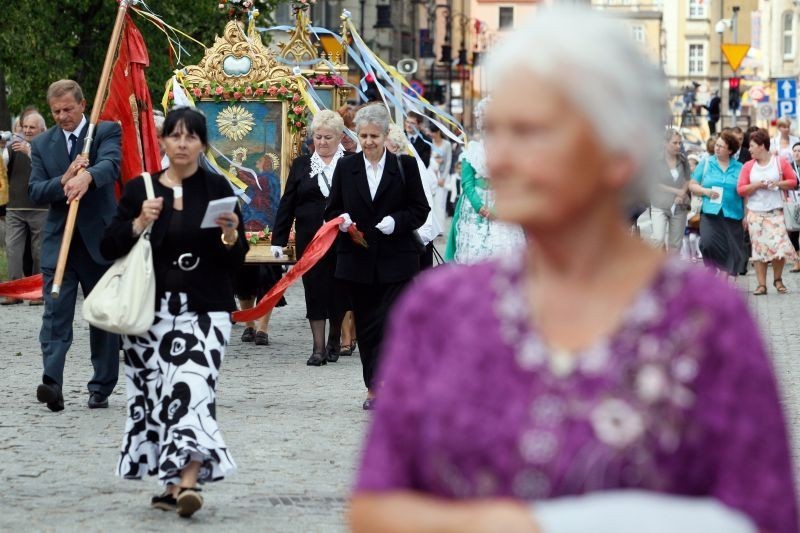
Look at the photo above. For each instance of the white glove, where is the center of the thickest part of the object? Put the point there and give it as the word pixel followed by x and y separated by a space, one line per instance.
pixel 276 251
pixel 385 226
pixel 346 223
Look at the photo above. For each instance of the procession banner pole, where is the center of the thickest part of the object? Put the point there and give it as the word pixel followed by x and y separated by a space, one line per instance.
pixel 99 98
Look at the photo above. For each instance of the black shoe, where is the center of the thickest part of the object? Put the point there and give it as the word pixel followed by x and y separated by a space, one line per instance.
pixel 50 394
pixel 317 359
pixel 165 502
pixel 332 354
pixel 249 335
pixel 188 502
pixel 98 400
pixel 262 338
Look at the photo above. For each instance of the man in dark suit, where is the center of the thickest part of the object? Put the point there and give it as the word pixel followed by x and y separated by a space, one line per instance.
pixel 420 141
pixel 369 190
pixel 60 175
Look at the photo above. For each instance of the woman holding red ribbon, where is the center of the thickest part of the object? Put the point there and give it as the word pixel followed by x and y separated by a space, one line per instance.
pixel 382 195
pixel 303 203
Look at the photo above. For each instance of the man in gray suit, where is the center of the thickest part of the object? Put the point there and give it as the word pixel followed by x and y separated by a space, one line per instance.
pixel 59 175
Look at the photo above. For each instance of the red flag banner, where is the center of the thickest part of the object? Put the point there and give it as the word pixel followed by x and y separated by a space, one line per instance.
pixel 128 103
pixel 315 251
pixel 29 288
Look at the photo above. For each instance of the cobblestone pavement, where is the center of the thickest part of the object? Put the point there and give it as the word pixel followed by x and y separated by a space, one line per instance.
pixel 293 430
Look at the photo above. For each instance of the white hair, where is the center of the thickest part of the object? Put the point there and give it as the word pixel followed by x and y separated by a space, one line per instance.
pixel 329 120
pixel 374 114
pixel 397 137
pixel 40 122
pixel 603 72
pixel 480 111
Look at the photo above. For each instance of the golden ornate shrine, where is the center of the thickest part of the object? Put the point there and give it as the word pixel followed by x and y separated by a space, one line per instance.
pixel 254 99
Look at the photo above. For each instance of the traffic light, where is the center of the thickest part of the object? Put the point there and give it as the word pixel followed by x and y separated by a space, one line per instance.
pixel 734 96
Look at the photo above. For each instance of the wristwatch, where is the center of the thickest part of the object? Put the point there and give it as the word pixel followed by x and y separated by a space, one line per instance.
pixel 235 236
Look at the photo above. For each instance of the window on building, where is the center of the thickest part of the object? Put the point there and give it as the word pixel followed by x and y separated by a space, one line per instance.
pixel 788 34
pixel 697 9
pixel 506 18
pixel 638 33
pixel 697 59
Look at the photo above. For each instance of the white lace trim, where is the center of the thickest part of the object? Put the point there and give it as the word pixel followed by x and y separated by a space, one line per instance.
pixel 318 167
pixel 476 156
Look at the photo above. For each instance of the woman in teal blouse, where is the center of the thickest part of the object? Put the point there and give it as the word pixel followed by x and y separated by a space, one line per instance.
pixel 721 229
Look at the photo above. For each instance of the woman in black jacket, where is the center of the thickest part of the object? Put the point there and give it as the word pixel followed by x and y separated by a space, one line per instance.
pixel 303 203
pixel 171 372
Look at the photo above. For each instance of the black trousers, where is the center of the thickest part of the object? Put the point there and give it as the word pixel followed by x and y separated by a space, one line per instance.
pixel 426 258
pixel 371 304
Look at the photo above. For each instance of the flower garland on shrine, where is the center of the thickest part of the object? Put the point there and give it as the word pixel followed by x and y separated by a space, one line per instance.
pixel 284 91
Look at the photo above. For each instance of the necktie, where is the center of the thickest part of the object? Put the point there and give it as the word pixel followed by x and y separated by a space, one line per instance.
pixel 73 146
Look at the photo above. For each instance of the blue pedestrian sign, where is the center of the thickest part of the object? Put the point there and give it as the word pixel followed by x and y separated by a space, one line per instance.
pixel 787 88
pixel 787 97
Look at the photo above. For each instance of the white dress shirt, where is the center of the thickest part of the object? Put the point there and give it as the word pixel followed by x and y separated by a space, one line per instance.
pixel 77 132
pixel 375 173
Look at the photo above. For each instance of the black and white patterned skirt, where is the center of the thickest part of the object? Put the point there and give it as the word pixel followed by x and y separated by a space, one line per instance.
pixel 171 375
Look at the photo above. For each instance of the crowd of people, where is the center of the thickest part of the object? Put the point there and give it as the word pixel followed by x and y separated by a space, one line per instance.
pixel 569 369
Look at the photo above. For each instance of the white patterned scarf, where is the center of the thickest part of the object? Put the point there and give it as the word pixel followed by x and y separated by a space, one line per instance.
pixel 476 157
pixel 318 167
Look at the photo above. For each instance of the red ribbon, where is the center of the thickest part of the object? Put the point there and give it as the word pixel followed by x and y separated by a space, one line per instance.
pixel 29 288
pixel 315 251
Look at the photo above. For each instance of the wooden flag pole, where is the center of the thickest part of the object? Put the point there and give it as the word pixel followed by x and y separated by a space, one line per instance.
pixel 99 98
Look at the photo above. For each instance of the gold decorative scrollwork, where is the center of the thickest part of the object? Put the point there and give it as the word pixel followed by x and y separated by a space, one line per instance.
pixel 237 49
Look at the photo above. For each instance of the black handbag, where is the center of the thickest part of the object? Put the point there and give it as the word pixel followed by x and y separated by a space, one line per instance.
pixel 420 244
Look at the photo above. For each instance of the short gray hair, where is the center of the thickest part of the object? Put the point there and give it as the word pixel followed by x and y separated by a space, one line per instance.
pixel 374 114
pixel 329 120
pixel 603 73
pixel 36 116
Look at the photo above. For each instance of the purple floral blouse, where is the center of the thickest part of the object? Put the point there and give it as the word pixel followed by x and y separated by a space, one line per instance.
pixel 681 399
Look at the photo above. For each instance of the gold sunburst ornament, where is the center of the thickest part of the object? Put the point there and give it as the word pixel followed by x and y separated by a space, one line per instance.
pixel 235 122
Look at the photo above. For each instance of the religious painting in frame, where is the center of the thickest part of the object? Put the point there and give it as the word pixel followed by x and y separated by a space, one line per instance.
pixel 249 137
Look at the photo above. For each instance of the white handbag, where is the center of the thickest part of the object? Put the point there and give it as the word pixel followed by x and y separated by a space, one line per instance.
pixel 124 299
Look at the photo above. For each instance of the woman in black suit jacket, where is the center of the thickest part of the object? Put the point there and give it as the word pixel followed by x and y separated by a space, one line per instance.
pixel 303 202
pixel 386 203
pixel 171 371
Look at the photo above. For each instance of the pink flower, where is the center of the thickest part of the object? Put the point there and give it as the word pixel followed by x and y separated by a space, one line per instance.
pixel 298 109
pixel 197 92
pixel 298 124
pixel 259 91
pixel 295 98
pixel 283 90
pixel 237 95
pixel 171 96
pixel 248 91
pixel 272 90
pixel 219 90
pixel 207 91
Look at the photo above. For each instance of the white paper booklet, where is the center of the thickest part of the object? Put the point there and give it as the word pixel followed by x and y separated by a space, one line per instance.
pixel 215 209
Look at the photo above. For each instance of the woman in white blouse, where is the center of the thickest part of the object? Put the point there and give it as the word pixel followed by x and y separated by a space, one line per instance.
pixel 303 203
pixel 761 182
pixel 783 141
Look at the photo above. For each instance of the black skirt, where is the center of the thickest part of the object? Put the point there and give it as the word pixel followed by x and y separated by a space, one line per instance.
pixel 254 281
pixel 722 243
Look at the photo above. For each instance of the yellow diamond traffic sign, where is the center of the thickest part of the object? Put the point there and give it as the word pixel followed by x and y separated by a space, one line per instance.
pixel 735 53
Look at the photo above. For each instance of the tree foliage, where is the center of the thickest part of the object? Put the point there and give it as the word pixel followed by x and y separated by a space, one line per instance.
pixel 42 42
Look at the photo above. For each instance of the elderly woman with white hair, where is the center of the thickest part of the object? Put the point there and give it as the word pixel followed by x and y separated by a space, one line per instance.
pixel 382 195
pixel 587 382
pixel 305 195
pixel 475 233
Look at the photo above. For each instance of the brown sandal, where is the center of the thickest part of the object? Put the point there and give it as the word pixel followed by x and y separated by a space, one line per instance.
pixel 761 290
pixel 780 286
